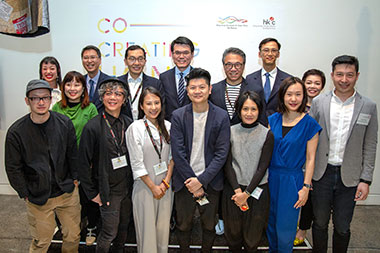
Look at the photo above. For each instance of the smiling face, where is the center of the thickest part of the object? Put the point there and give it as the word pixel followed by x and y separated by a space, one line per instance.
pixel 182 56
pixel 269 53
pixel 234 68
pixel 73 90
pixel 293 97
pixel 49 73
pixel 151 107
pixel 313 84
pixel 135 62
pixel 344 78
pixel 113 100
pixel 198 90
pixel 39 101
pixel 249 112
pixel 91 62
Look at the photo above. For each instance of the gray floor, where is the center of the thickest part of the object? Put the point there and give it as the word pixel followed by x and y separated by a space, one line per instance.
pixel 14 233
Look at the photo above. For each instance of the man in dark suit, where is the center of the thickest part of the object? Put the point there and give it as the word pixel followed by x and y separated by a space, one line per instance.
pixel 173 80
pixel 225 92
pixel 91 60
pixel 267 81
pixel 137 80
pixel 200 139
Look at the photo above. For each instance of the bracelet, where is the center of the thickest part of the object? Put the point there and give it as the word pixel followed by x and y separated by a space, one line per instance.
pixel 309 186
pixel 246 192
pixel 166 184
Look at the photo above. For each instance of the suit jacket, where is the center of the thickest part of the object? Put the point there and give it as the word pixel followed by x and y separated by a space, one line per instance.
pixel 171 96
pixel 216 146
pixel 360 151
pixel 217 97
pixel 96 100
pixel 147 81
pixel 255 81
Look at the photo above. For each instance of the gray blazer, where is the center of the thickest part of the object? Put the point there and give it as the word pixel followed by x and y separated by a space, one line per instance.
pixel 360 152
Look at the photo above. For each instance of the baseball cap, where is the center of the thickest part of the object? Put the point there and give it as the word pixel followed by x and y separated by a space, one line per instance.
pixel 37 84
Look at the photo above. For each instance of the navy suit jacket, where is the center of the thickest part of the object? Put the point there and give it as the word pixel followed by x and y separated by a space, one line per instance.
pixel 96 100
pixel 147 81
pixel 216 146
pixel 171 96
pixel 217 97
pixel 255 81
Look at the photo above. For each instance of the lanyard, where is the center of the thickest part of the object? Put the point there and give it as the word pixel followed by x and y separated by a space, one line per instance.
pixel 137 92
pixel 113 134
pixel 152 140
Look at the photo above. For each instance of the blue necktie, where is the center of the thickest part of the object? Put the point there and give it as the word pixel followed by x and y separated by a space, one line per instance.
pixel 181 89
pixel 267 87
pixel 92 89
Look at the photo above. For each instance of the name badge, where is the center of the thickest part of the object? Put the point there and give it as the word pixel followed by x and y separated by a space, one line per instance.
pixel 203 201
pixel 363 119
pixel 257 193
pixel 119 162
pixel 160 168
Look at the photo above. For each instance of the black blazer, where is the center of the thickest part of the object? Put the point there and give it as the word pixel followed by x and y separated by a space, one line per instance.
pixel 96 100
pixel 171 96
pixel 255 81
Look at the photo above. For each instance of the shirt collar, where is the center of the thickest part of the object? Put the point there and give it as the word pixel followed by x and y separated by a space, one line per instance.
pixel 348 101
pixel 185 72
pixel 137 80
pixel 272 73
pixel 95 78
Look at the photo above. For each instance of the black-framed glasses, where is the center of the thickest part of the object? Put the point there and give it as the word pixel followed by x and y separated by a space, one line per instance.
pixel 38 99
pixel 134 59
pixel 230 65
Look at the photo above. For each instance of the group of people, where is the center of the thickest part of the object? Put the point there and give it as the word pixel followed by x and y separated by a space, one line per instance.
pixel 256 150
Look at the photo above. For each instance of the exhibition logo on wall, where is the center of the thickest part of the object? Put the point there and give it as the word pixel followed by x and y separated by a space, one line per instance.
pixel 232 22
pixel 267 23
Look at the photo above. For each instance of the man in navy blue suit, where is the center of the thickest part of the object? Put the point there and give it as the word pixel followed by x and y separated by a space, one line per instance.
pixel 136 79
pixel 200 139
pixel 173 80
pixel 91 60
pixel 267 80
pixel 225 92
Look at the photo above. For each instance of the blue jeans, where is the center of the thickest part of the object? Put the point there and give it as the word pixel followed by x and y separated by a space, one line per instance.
pixel 330 194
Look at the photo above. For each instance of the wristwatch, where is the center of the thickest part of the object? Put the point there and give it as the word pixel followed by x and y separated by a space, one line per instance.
pixel 308 186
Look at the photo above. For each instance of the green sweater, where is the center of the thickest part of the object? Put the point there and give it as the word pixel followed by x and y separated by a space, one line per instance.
pixel 78 116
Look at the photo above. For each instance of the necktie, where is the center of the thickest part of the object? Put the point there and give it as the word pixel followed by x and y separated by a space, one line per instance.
pixel 92 89
pixel 267 87
pixel 181 89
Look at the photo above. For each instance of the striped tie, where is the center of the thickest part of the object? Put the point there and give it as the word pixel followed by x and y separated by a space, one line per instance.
pixel 181 89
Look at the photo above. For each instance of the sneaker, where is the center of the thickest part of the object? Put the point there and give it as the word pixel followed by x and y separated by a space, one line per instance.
pixel 91 236
pixel 219 228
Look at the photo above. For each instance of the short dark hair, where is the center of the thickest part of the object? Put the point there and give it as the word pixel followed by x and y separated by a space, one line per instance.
pixel 113 84
pixel 198 73
pixel 234 50
pixel 184 41
pixel 244 97
pixel 283 89
pixel 161 116
pixel 54 61
pixel 346 59
pixel 266 40
pixel 85 100
pixel 133 48
pixel 91 47
pixel 315 72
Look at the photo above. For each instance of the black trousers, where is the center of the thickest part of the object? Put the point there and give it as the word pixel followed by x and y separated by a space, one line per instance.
pixel 90 209
pixel 185 206
pixel 245 228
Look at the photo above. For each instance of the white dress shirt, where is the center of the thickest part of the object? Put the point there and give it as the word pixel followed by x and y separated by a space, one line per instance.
pixel 133 88
pixel 272 77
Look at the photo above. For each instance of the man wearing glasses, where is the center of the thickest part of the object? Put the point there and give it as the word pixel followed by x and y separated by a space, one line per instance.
pixel 41 164
pixel 91 60
pixel 225 92
pixel 267 81
pixel 173 80
pixel 137 80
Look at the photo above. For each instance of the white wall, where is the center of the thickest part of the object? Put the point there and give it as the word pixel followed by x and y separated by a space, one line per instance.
pixel 312 33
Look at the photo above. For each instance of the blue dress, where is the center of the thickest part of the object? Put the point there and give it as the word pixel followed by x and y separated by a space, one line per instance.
pixel 286 179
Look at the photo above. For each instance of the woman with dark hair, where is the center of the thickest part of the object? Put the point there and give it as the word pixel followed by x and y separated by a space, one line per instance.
pixel 50 71
pixel 295 143
pixel 245 201
pixel 76 105
pixel 148 143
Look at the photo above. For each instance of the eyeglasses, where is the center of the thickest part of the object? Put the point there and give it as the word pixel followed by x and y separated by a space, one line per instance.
pixel 38 99
pixel 133 59
pixel 267 51
pixel 117 93
pixel 237 65
pixel 92 57
pixel 179 53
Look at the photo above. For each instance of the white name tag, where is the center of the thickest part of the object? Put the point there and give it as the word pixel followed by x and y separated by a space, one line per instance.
pixel 160 168
pixel 119 162
pixel 203 201
pixel 257 193
pixel 363 119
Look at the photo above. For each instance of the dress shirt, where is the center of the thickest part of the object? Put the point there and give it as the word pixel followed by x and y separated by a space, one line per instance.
pixel 95 79
pixel 340 120
pixel 178 76
pixel 272 77
pixel 133 87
